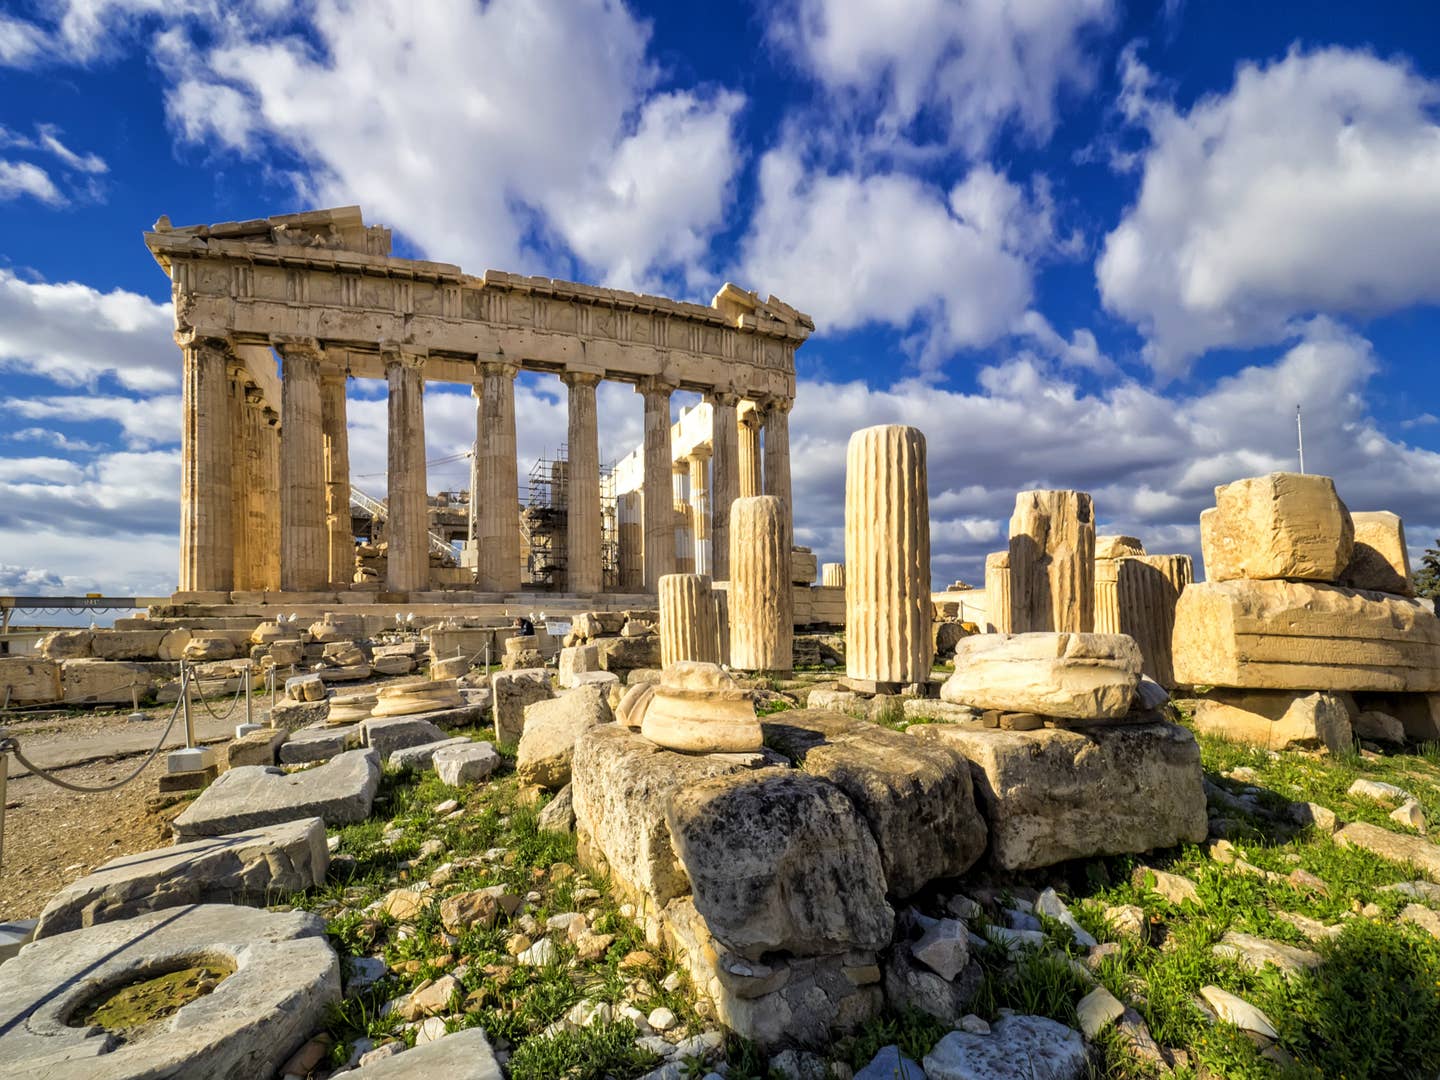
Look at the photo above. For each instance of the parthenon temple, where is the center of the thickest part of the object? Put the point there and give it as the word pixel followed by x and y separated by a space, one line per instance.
pixel 265 496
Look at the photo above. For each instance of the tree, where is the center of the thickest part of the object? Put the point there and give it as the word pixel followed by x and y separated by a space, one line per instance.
pixel 1427 577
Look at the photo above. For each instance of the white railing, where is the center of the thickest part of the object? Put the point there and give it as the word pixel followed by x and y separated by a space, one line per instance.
pixel 377 511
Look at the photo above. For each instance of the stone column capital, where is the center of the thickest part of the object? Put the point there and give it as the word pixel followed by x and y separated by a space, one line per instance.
pixel 202 337
pixel 656 384
pixel 749 417
pixel 777 404
pixel 699 453
pixel 298 346
pixel 722 398
pixel 581 378
pixel 411 356
pixel 498 368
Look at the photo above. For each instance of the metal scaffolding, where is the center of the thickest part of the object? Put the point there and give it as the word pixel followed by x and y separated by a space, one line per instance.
pixel 543 521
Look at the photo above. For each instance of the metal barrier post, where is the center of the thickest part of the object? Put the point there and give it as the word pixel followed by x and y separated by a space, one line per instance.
pixel 249 677
pixel 4 771
pixel 185 700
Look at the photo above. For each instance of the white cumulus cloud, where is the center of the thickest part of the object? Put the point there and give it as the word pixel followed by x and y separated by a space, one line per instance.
pixel 1310 187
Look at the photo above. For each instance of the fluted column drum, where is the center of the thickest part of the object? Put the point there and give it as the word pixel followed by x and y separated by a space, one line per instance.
pixel 832 574
pixel 887 556
pixel 206 554
pixel 761 619
pixel 997 591
pixel 1148 588
pixel 304 536
pixel 1107 596
pixel 408 565
pixel 689 629
pixel 725 483
pixel 1052 562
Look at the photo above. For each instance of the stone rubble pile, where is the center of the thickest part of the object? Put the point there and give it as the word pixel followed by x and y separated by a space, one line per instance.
pixel 1307 627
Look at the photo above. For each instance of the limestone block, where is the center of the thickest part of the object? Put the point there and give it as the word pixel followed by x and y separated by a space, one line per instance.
pixel 887 556
pixel 1276 719
pixel 1380 561
pixel 256 748
pixel 410 698
pixel 462 1055
pixel 452 668
pixel 350 708
pixel 551 729
pixel 292 715
pixel 997 592
pixel 689 629
pixel 576 660
pixel 465 763
pixel 915 796
pixel 127 644
pixel 67 644
pixel 1052 561
pixel 267 633
pixel 29 680
pixel 512 692
pixel 1053 794
pixel 1016 1048
pixel 787 1000
pixel 206 645
pixel 1283 635
pixel 393 665
pixel 251 867
pixel 699 708
pixel 340 791
pixel 832 574
pixel 385 735
pixel 624 654
pixel 103 682
pixel 305 688
pixel 460 640
pixel 590 625
pixel 1283 525
pixel 319 743
pixel 1072 676
pixel 759 600
pixel 1117 547
pixel 422 756
pixel 285 978
pixel 804 567
pixel 621 784
pixel 287 653
pixel 780 861
pixel 1398 847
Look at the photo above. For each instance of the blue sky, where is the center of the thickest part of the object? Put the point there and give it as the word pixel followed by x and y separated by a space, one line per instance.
pixel 1078 243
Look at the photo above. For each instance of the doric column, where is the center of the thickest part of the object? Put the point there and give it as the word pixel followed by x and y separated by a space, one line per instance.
pixel 206 535
pixel 241 471
pixel 777 453
pixel 1148 588
pixel 1052 562
pixel 888 638
pixel 832 575
pixel 997 592
pixel 684 533
pixel 748 421
pixel 304 538
pixel 407 566
pixel 659 506
pixel 267 502
pixel 761 603
pixel 336 439
pixel 255 521
pixel 582 518
pixel 498 515
pixel 630 535
pixel 700 508
pixel 689 628
pixel 725 447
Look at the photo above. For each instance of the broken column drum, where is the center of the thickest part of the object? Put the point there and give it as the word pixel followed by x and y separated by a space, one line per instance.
pixel 760 602
pixel 887 556
pixel 1147 589
pixel 1052 562
pixel 997 591
pixel 689 627
pixel 832 575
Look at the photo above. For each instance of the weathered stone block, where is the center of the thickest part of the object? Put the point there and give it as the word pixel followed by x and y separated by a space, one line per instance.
pixel 780 861
pixel 625 654
pixel 318 744
pixel 253 867
pixel 915 796
pixel 29 680
pixel 512 692
pixel 1052 562
pixel 1276 719
pixel 575 660
pixel 1074 676
pixel 551 730
pixel 1284 635
pixel 1054 794
pixel 1283 525
pixel 256 748
pixel 103 682
pixel 465 763
pixel 67 644
pixel 1380 561
pixel 340 791
pixel 385 735
pixel 422 756
pixel 127 644
pixel 293 715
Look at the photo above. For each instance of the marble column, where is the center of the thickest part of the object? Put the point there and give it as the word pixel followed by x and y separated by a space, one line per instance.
pixel 725 488
pixel 777 455
pixel 748 432
pixel 630 535
pixel 336 439
pixel 684 533
pixel 255 521
pixel 498 515
pixel 407 567
pixel 207 562
pixel 699 462
pixel 267 501
pixel 582 516
pixel 241 454
pixel 659 508
pixel 304 538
